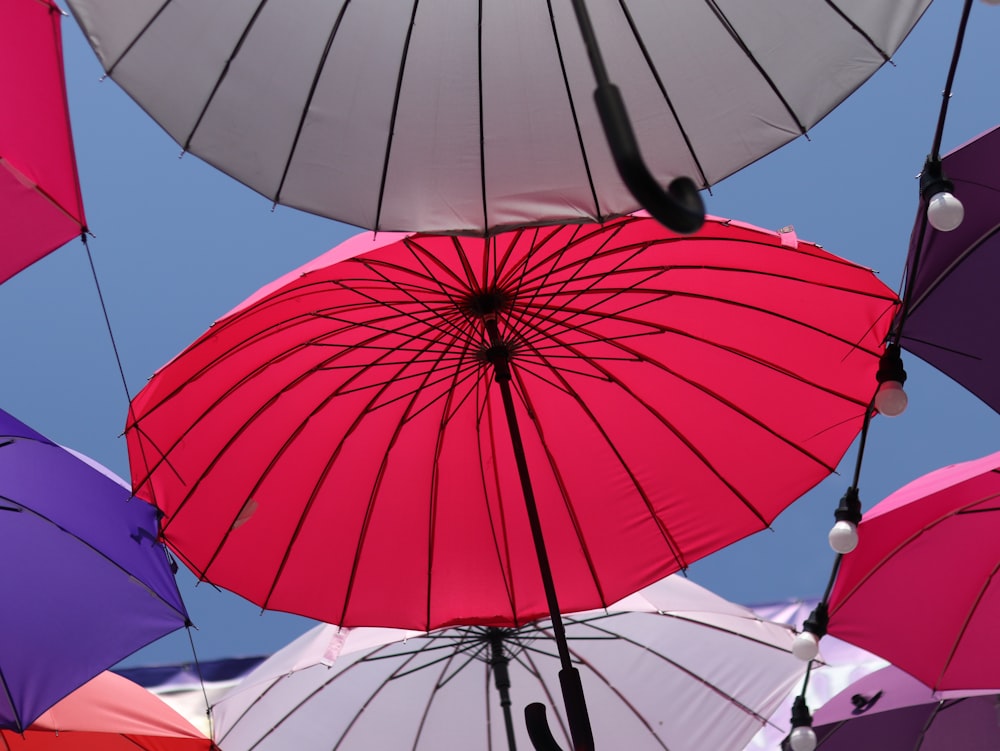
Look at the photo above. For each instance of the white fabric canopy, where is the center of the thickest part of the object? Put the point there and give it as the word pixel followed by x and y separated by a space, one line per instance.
pixel 456 116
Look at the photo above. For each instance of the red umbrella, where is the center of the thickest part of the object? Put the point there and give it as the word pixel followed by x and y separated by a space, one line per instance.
pixel 406 436
pixel 40 203
pixel 109 713
pixel 920 588
pixel 337 446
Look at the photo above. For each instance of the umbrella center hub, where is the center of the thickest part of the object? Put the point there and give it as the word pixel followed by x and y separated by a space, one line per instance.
pixel 487 303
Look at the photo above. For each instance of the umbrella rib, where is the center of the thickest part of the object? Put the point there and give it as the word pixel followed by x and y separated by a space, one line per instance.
pixel 686 671
pixel 655 73
pixel 137 37
pixel 675 552
pixel 257 413
pixel 861 32
pixel 765 76
pixel 100 554
pixel 369 509
pixel 392 118
pixel 186 143
pixel 307 105
pixel 955 263
pixel 965 625
pixel 484 416
pixel 573 114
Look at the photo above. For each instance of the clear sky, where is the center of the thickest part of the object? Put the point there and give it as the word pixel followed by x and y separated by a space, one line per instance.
pixel 177 244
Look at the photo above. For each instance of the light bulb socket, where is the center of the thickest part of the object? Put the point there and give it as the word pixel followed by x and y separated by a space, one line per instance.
pixel 817 621
pixel 890 366
pixel 800 713
pixel 933 180
pixel 849 509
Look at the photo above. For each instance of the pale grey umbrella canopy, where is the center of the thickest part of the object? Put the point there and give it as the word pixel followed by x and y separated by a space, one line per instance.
pixel 468 117
pixel 673 666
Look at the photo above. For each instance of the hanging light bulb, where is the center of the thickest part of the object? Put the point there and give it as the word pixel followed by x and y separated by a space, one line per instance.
pixel 944 211
pixel 891 399
pixel 844 535
pixel 802 737
pixel 805 645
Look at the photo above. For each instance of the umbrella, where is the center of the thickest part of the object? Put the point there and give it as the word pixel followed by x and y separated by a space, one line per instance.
pixel 889 710
pixel 475 117
pixel 347 443
pixel 40 203
pixel 950 273
pixel 673 666
pixel 918 590
pixel 109 713
pixel 86 583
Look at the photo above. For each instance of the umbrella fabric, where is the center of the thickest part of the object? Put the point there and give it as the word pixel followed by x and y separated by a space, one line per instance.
pixel 86 583
pixel 335 446
pixel 475 117
pixel 673 666
pixel 889 710
pixel 951 315
pixel 109 713
pixel 918 588
pixel 40 203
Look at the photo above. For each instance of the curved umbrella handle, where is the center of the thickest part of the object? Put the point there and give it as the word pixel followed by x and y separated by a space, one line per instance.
pixel 679 207
pixel 538 728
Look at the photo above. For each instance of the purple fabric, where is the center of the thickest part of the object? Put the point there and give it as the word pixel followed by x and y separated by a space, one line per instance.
pixel 84 581
pixel 952 314
pixel 897 719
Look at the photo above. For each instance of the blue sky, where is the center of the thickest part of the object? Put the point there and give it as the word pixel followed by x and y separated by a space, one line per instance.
pixel 178 243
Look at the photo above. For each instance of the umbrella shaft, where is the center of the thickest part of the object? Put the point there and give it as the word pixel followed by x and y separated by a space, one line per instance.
pixel 501 367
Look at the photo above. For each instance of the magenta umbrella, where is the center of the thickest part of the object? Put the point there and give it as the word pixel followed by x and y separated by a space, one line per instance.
pixel 424 430
pixel 919 590
pixel 40 203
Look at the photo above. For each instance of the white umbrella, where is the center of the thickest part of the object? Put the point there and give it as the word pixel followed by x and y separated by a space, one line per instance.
pixel 670 667
pixel 454 116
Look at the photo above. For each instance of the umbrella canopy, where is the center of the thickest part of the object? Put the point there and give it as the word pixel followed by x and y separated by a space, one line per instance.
pixel 925 563
pixel 40 203
pixel 109 713
pixel 86 583
pixel 336 445
pixel 950 275
pixel 673 666
pixel 889 710
pixel 475 117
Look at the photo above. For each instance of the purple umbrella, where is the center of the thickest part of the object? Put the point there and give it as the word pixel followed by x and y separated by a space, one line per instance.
pixel 889 710
pixel 85 581
pixel 950 312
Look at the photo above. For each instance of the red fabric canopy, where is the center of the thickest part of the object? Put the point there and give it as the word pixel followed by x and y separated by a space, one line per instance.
pixel 40 203
pixel 337 447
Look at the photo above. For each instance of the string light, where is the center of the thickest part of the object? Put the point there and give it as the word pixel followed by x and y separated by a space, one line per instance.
pixel 844 535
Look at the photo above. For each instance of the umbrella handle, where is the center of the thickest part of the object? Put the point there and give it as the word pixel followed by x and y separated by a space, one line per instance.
pixel 576 715
pixel 679 207
pixel 538 728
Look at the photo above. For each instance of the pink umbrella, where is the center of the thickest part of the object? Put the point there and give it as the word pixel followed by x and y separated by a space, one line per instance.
pixel 423 430
pixel 919 589
pixel 109 713
pixel 40 203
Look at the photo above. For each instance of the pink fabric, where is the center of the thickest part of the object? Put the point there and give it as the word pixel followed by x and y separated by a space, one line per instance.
pixel 106 714
pixel 337 447
pixel 40 203
pixel 919 589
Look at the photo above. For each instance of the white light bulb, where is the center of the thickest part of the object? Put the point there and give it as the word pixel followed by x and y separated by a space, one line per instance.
pixel 802 738
pixel 843 537
pixel 805 646
pixel 945 212
pixel 891 400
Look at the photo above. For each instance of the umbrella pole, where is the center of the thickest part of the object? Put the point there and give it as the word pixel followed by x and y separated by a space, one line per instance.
pixel 679 207
pixel 569 677
pixel 501 678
